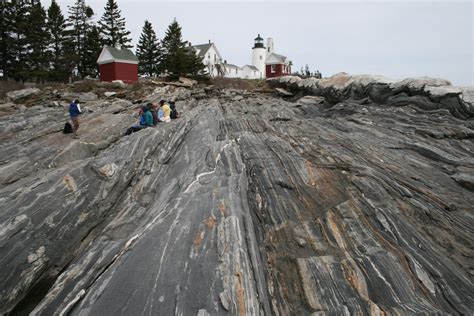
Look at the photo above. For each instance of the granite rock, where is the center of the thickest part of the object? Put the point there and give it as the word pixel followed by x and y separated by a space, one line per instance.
pixel 21 94
pixel 259 206
pixel 427 93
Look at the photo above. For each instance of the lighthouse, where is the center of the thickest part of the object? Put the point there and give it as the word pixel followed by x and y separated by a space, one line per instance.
pixel 259 56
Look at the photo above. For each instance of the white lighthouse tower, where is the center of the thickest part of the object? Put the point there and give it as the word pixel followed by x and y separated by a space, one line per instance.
pixel 259 55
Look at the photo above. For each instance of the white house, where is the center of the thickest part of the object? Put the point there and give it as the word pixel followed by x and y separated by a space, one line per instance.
pixel 211 58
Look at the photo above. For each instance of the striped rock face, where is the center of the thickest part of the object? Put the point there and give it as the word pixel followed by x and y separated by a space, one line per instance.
pixel 242 206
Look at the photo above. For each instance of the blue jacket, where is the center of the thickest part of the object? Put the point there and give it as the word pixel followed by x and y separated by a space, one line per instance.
pixel 74 110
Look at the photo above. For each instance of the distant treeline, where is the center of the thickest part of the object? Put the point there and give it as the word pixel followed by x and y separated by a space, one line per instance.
pixel 43 45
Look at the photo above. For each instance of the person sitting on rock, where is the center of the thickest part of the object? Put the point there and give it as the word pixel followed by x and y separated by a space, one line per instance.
pixel 74 112
pixel 166 111
pixel 153 111
pixel 146 120
pixel 174 113
pixel 148 117
pixel 161 114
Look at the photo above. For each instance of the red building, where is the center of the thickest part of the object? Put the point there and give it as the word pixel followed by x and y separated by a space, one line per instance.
pixel 277 65
pixel 118 64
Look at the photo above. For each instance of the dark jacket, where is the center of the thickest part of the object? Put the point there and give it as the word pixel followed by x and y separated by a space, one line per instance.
pixel 74 110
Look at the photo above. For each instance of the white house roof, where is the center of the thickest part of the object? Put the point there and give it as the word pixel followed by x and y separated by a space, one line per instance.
pixel 111 54
pixel 231 65
pixel 274 58
pixel 252 67
pixel 202 49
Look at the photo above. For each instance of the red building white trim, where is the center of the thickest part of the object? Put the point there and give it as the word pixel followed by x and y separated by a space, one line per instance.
pixel 118 64
pixel 277 65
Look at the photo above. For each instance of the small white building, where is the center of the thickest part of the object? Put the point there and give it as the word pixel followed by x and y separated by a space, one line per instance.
pixel 250 72
pixel 232 71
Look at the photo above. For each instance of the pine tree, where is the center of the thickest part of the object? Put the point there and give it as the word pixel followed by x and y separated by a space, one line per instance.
pixel 149 51
pixel 79 25
pixel 18 16
pixel 6 40
pixel 37 42
pixel 178 60
pixel 57 30
pixel 112 26
pixel 92 49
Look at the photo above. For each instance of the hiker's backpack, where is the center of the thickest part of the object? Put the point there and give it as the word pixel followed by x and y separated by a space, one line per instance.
pixel 174 114
pixel 67 128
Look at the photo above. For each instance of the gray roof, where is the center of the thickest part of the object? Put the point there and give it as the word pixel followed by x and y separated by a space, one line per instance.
pixel 203 48
pixel 123 54
pixel 251 67
pixel 279 57
pixel 231 66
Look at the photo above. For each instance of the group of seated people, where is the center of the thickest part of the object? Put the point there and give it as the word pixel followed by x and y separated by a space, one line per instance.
pixel 150 115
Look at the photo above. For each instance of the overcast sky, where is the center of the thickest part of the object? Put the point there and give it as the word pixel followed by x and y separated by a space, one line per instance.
pixel 397 39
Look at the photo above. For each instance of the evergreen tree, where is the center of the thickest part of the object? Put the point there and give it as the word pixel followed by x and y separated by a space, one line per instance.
pixel 149 51
pixel 60 68
pixel 92 49
pixel 37 42
pixel 6 40
pixel 112 26
pixel 79 25
pixel 18 16
pixel 178 60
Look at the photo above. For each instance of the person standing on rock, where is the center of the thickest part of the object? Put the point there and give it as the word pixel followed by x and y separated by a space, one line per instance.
pixel 74 112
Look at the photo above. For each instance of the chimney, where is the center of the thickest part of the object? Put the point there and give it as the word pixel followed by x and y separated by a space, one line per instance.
pixel 190 44
pixel 225 61
pixel 118 46
pixel 209 41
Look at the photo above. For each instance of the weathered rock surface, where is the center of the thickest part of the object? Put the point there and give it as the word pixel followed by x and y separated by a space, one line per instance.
pixel 250 205
pixel 81 96
pixel 426 93
pixel 21 94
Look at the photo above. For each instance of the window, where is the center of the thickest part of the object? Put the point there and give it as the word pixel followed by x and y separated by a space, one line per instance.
pixel 260 57
pixel 268 49
pixel 209 56
pixel 236 71
pixel 273 68
pixel 215 57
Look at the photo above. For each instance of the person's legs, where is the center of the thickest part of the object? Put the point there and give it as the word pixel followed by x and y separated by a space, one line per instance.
pixel 75 126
